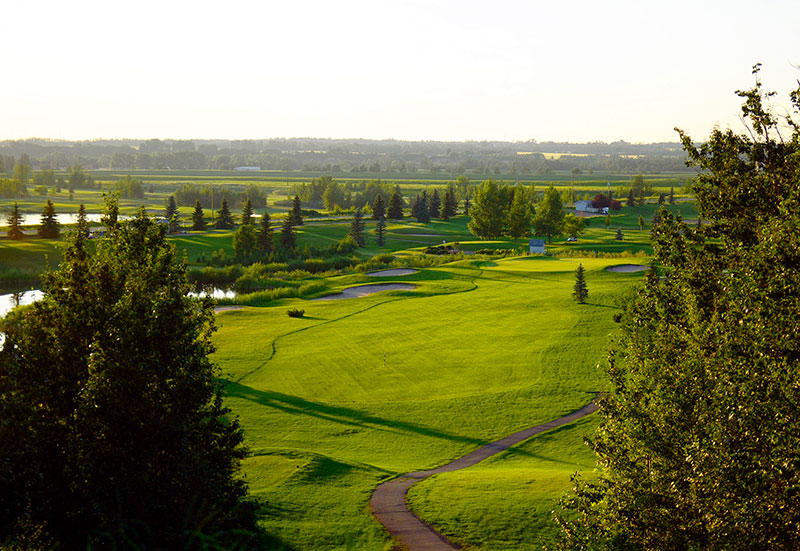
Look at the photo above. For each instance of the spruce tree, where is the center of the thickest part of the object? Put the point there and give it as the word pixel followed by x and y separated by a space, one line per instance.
pixel 619 236
pixel 380 230
pixel 395 210
pixel 224 217
pixel 198 218
pixel 467 206
pixel 287 236
pixel 671 195
pixel 357 229
pixel 641 222
pixel 247 213
pixel 435 205
pixel 423 208
pixel 607 221
pixel 444 211
pixel 265 241
pixel 15 224
pixel 171 214
pixel 82 225
pixel 115 435
pixel 378 207
pixel 297 211
pixel 451 201
pixel 580 290
pixel 49 227
pixel 415 206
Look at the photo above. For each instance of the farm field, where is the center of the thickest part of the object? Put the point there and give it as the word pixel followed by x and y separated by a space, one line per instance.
pixel 364 389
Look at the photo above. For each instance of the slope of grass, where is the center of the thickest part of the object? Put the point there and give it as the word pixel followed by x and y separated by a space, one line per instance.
pixel 506 502
pixel 364 388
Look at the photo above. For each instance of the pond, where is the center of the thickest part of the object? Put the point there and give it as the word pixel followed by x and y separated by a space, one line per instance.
pixel 11 300
pixel 31 219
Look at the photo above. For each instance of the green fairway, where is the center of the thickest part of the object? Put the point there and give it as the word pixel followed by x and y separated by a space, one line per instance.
pixel 506 502
pixel 477 351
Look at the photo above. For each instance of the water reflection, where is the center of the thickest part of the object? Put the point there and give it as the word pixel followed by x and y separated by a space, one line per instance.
pixel 12 300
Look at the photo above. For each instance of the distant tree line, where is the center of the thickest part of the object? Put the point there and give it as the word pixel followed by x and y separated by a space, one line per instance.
pixel 483 159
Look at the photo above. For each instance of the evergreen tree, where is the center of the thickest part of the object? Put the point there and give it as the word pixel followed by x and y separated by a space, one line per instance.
pixel 641 222
pixel 607 221
pixel 619 236
pixel 82 225
pixel 198 218
pixel 115 435
pixel 224 217
pixel 549 219
pixel 297 212
pixel 467 206
pixel 380 230
pixel 49 227
pixel 15 224
pixel 245 244
pixel 671 195
pixel 580 291
pixel 357 229
pixel 172 215
pixel 451 203
pixel 631 198
pixel 444 210
pixel 435 205
pixel 519 216
pixel 287 236
pixel 265 241
pixel 422 210
pixel 395 210
pixel 247 213
pixel 378 207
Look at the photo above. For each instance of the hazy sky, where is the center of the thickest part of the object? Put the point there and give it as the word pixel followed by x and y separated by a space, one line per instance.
pixel 413 69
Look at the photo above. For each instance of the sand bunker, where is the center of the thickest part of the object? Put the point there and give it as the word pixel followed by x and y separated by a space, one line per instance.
pixel 218 309
pixel 393 272
pixel 364 290
pixel 628 268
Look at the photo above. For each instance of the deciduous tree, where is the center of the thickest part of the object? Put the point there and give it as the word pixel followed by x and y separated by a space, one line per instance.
pixel 699 443
pixel 487 212
pixel 549 219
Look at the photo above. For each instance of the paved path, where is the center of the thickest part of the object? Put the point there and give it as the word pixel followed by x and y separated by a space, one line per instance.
pixel 388 502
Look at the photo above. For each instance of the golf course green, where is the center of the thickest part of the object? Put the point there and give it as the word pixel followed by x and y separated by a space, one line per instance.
pixel 358 391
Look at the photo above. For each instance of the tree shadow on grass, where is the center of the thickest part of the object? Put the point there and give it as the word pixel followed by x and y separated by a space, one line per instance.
pixel 337 414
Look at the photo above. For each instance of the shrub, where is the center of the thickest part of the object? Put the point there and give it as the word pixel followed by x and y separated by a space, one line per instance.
pixel 295 313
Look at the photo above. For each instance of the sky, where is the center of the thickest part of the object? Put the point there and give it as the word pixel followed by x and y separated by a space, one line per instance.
pixel 574 71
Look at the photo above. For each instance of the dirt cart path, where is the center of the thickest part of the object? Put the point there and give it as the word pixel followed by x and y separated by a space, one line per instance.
pixel 388 502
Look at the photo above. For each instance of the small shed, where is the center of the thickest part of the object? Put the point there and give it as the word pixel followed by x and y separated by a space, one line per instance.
pixel 536 246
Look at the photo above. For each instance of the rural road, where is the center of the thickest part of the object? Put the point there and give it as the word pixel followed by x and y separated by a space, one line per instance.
pixel 388 502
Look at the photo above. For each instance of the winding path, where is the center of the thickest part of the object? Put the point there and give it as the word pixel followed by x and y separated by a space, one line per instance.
pixel 388 502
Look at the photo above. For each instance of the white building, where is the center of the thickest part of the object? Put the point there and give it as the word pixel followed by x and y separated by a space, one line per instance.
pixel 536 246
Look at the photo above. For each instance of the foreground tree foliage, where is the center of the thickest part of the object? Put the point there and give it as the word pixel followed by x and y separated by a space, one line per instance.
pixel 700 447
pixel 113 430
